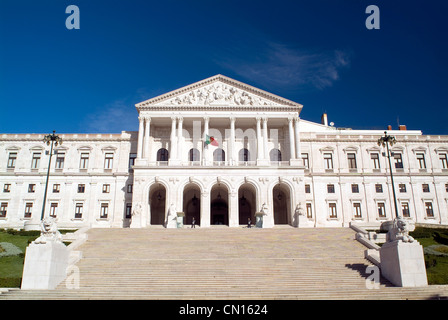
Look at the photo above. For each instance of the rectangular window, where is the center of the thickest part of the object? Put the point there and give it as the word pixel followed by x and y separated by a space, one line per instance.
pixel 333 212
pixel 405 209
pixel 381 210
pixel 398 161
pixel 53 209
pixel 446 187
pixel 132 157
pixel 35 161
pixel 306 160
pixel 128 214
pixel 402 187
pixel 307 188
pixel 376 160
pixel 309 211
pixel 56 188
pixel 379 188
pixel 12 160
pixel 7 187
pixel 60 158
pixel 78 211
pixel 425 187
pixel 357 210
pixel 81 188
pixel 31 188
pixel 355 188
pixel 330 188
pixel 3 209
pixel 429 210
pixel 351 158
pixel 104 209
pixel 328 161
pixel 28 209
pixel 84 162
pixel 129 188
pixel 108 160
pixel 106 188
pixel 443 160
pixel 421 160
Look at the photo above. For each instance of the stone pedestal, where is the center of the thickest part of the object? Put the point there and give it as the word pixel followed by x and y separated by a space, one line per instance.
pixel 303 222
pixel 45 265
pixel 180 220
pixel 259 219
pixel 403 264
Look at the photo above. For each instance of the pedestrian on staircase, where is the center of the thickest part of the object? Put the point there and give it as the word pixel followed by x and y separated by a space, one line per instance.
pixel 193 223
pixel 249 223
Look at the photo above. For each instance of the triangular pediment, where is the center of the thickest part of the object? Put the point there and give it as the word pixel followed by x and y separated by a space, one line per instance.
pixel 220 91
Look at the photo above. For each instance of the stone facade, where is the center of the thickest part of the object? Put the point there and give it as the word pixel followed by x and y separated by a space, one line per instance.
pixel 265 155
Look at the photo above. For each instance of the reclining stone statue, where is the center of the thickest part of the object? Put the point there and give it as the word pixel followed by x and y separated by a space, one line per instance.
pixel 48 232
pixel 399 231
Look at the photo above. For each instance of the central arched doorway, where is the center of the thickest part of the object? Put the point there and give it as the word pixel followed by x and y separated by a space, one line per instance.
pixel 157 204
pixel 246 204
pixel 192 204
pixel 219 205
pixel 282 204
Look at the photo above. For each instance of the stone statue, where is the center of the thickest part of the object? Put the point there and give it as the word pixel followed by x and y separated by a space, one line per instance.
pixel 299 211
pixel 264 208
pixel 137 209
pixel 399 231
pixel 49 231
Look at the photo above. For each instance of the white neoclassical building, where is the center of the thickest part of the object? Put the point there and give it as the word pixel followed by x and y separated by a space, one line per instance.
pixel 220 151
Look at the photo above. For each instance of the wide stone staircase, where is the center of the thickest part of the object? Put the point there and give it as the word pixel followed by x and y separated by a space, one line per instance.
pixel 224 263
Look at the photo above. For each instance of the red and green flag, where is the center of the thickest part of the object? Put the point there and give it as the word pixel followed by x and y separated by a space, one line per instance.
pixel 211 140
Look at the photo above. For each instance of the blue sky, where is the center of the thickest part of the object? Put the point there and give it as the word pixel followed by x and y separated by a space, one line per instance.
pixel 317 53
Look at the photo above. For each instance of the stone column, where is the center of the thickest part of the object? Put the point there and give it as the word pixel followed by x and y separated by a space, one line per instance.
pixel 232 141
pixel 292 147
pixel 179 139
pixel 140 138
pixel 173 144
pixel 259 141
pixel 205 209
pixel 146 140
pixel 233 209
pixel 265 139
pixel 297 137
pixel 204 148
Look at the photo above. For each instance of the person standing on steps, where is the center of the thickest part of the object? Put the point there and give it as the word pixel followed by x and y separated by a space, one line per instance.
pixel 249 223
pixel 193 223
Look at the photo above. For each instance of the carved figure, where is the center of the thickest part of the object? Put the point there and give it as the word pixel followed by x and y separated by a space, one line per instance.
pixel 399 231
pixel 264 208
pixel 49 231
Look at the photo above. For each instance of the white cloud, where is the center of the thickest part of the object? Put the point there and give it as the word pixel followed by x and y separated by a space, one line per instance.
pixel 113 118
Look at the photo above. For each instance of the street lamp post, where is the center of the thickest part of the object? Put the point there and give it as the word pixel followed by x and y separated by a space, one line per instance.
pixel 53 140
pixel 385 142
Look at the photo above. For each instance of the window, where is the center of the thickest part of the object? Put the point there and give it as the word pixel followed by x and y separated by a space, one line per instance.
pixel 405 209
pixel 330 188
pixel 3 209
pixel 425 187
pixel 56 188
pixel 128 213
pixel 194 155
pixel 132 157
pixel 31 188
pixel 219 155
pixel 381 210
pixel 103 211
pixel 275 155
pixel 309 211
pixel 78 211
pixel 35 161
pixel 328 161
pixel 421 160
pixel 443 160
pixel 306 160
pixel 429 210
pixel 106 188
pixel 162 155
pixel 351 158
pixel 376 160
pixel 129 188
pixel 398 161
pixel 108 160
pixel 81 188
pixel 84 162
pixel 307 188
pixel 28 209
pixel 53 209
pixel 379 188
pixel 7 187
pixel 12 160
pixel 355 188
pixel 446 187
pixel 333 212
pixel 60 157
pixel 356 210
pixel 402 187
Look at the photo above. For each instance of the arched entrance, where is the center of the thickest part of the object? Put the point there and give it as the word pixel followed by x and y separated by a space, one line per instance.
pixel 219 205
pixel 192 204
pixel 282 204
pixel 246 203
pixel 157 204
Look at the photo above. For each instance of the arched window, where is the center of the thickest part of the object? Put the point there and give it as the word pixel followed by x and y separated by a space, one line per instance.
pixel 243 155
pixel 275 155
pixel 162 154
pixel 194 155
pixel 219 155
